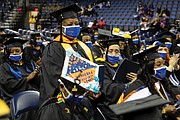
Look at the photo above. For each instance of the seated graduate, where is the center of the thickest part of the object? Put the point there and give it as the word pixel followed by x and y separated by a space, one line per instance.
pixel 3 37
pixel 171 61
pixel 112 58
pixel 85 37
pixel 17 74
pixel 154 77
pixel 35 48
pixel 68 104
pixel 97 48
pixel 112 90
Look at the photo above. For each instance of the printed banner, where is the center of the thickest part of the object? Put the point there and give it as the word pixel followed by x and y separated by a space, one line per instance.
pixel 77 67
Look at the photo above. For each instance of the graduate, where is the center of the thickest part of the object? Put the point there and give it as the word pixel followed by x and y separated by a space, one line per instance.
pixel 85 37
pixel 111 89
pixel 153 75
pixel 17 74
pixel 35 48
pixel 52 63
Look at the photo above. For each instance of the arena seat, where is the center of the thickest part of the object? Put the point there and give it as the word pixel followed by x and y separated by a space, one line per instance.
pixel 23 102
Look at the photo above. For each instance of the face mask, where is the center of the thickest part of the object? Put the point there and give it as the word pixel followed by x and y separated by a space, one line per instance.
pixel 173 31
pixel 163 54
pixel 160 73
pixel 135 41
pixel 72 31
pixel 38 43
pixel 77 99
pixel 15 58
pixel 96 37
pixel 113 59
pixel 89 44
pixel 168 45
pixel 157 43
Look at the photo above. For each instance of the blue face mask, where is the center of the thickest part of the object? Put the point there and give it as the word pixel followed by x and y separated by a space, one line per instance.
pixel 173 31
pixel 163 54
pixel 168 45
pixel 72 31
pixel 160 73
pixel 89 44
pixel 15 58
pixel 135 41
pixel 77 99
pixel 96 37
pixel 39 43
pixel 113 59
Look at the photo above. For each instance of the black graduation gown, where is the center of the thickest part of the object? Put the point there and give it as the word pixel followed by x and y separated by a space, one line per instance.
pixel 51 110
pixel 1 57
pixel 11 85
pixel 52 64
pixel 111 89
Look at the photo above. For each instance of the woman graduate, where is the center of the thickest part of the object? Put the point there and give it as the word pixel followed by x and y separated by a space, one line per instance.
pixel 53 59
pixel 111 89
pixel 17 74
pixel 154 77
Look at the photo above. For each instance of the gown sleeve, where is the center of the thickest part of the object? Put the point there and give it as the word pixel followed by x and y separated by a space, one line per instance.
pixel 52 63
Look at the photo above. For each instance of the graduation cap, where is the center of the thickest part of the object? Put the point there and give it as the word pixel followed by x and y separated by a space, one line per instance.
pixel 66 12
pixel 4 37
pixel 109 42
pixel 159 41
pixel 15 42
pixel 85 31
pixel 138 105
pixel 149 53
pixel 167 34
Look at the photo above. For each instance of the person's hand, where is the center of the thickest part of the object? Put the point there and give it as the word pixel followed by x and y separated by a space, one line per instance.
pixel 33 74
pixel 173 62
pixel 93 96
pixel 38 62
pixel 63 90
pixel 170 109
pixel 131 76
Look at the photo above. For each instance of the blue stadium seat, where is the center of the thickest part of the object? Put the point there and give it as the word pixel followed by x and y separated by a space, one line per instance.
pixel 23 102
